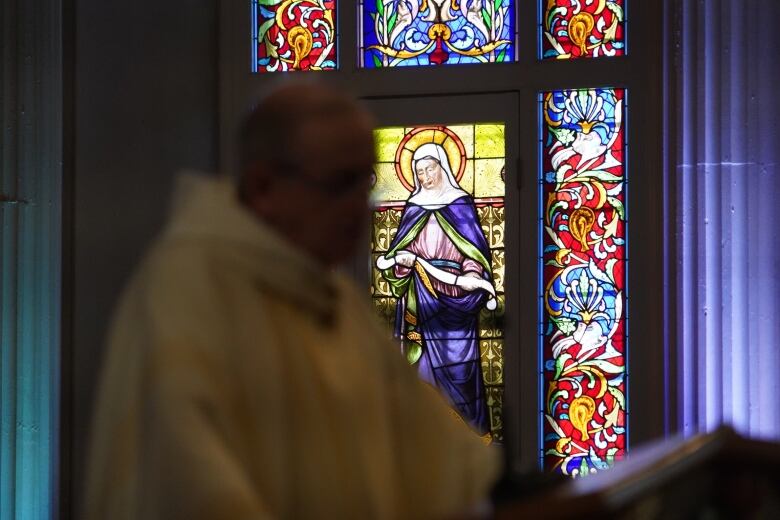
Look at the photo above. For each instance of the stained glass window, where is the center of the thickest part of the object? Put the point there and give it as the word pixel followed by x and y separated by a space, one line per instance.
pixel 398 33
pixel 438 260
pixel 583 291
pixel 293 35
pixel 582 28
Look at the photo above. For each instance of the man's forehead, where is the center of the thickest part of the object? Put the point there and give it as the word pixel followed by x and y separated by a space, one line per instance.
pixel 343 143
pixel 353 120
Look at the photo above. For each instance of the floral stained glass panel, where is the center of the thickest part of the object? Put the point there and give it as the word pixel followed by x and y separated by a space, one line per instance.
pixel 438 260
pixel 583 294
pixel 396 33
pixel 583 28
pixel 293 35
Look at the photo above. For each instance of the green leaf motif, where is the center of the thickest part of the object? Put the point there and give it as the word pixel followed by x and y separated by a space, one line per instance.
pixel 264 28
pixel 486 18
pixel 618 395
pixel 380 7
pixel 584 471
pixel 553 13
pixel 563 394
pixel 565 325
pixel 584 285
pixel 564 135
pixel 270 48
pixel 269 3
pixel 583 96
pixel 377 61
pixel 497 4
pixel 615 203
pixel 559 365
pixel 617 9
pixel 560 204
pixel 391 22
pixel 413 352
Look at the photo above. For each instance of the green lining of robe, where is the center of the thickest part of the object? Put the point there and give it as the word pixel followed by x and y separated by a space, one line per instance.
pixel 464 246
pixel 409 238
pixel 398 285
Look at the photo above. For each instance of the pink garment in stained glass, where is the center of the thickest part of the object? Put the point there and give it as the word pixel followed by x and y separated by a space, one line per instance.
pixel 432 242
pixel 438 260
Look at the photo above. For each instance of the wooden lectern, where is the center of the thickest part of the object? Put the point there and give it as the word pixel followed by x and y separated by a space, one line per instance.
pixel 720 475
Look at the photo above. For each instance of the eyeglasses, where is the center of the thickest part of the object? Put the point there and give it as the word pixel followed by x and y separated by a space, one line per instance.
pixel 337 183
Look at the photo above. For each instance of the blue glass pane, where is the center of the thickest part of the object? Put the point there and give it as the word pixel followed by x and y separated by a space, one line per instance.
pixel 398 33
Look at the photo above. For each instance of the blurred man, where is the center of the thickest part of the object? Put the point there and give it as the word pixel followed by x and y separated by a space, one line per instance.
pixel 244 378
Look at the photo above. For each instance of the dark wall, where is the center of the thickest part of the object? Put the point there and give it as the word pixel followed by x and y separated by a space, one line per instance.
pixel 145 106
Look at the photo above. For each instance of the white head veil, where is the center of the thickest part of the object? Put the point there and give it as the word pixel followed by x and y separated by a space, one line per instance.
pixel 450 188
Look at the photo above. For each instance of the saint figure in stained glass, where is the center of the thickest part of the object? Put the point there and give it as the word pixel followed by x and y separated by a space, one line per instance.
pixel 439 269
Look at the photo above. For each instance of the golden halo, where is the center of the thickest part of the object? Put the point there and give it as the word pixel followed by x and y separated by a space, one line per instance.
pixel 418 136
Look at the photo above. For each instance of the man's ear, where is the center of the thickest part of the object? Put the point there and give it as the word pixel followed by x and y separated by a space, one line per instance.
pixel 255 190
pixel 256 182
pixel 260 185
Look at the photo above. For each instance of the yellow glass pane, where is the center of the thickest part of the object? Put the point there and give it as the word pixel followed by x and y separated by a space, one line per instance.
pixel 487 178
pixel 466 134
pixel 467 181
pixel 387 140
pixel 489 141
pixel 388 188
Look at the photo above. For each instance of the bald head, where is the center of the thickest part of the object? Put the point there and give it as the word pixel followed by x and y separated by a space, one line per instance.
pixel 271 132
pixel 306 160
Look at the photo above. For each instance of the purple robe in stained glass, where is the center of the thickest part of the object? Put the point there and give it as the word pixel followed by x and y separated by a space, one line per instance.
pixel 445 317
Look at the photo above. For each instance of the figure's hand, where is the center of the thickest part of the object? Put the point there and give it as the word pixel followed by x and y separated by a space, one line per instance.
pixel 468 282
pixel 405 258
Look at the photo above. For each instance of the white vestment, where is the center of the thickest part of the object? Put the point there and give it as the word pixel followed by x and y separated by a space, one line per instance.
pixel 243 381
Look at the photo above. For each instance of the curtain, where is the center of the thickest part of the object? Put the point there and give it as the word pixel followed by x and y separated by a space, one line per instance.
pixel 31 182
pixel 726 186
